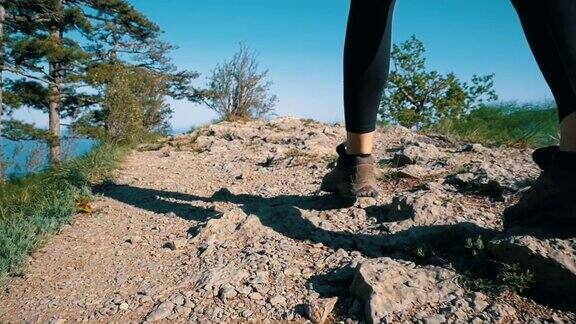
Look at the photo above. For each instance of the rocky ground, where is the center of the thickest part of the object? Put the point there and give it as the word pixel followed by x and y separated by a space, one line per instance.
pixel 227 225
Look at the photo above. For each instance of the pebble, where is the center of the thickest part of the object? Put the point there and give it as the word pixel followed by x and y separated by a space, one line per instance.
pixel 255 296
pixel 175 244
pixel 161 312
pixel 277 300
pixel 134 239
pixel 227 291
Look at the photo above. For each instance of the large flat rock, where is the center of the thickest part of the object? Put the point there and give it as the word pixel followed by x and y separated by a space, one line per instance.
pixel 392 290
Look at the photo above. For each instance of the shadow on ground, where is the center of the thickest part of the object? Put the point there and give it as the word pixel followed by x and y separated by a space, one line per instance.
pixel 439 245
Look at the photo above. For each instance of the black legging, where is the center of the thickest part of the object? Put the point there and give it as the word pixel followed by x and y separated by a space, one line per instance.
pixel 549 25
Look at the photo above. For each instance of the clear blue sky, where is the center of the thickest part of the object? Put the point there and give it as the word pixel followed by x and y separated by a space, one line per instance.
pixel 301 42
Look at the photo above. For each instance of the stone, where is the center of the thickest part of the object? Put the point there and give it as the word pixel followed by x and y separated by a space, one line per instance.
pixel 552 261
pixel 414 171
pixel 417 153
pixel 479 302
pixel 277 300
pixel 57 321
pixel 434 319
pixel 183 311
pixel 491 179
pixel 425 207
pixel 389 289
pixel 227 291
pixel 162 311
pixel 318 310
pixel 175 244
pixel 123 306
pixel 134 239
pixel 255 296
pixel 178 300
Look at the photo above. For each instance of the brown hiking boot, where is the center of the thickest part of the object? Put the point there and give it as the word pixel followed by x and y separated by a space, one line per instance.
pixel 353 176
pixel 551 201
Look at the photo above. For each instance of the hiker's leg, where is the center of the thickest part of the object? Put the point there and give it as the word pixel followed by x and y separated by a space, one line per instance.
pixel 550 28
pixel 568 133
pixel 366 65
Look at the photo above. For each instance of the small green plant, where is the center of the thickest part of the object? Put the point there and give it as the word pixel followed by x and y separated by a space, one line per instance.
pixel 150 147
pixel 475 246
pixel 35 159
pixel 268 162
pixel 229 136
pixel 515 278
pixel 297 157
pixel 423 252
pixel 389 175
pixel 473 282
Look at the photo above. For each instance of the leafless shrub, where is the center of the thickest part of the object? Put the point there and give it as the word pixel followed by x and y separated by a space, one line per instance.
pixel 237 90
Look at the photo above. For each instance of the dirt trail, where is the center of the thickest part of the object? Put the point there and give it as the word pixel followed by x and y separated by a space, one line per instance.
pixel 227 225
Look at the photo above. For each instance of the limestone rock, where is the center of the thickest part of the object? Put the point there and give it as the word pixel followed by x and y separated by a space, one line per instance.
pixel 425 207
pixel 417 153
pixel 389 289
pixel 161 312
pixel 318 310
pixel 552 261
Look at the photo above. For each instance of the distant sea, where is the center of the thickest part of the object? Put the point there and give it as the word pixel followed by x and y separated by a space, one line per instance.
pixel 25 157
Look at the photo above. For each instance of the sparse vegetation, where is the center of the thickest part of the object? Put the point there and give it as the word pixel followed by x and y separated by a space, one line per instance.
pixel 505 124
pixel 515 278
pixel 32 208
pixel 486 274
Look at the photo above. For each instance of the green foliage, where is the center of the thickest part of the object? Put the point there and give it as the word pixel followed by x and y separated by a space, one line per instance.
pixel 18 131
pixel 417 97
pixel 133 104
pixel 238 90
pixel 514 278
pixel 484 273
pixel 511 124
pixel 475 246
pixel 54 48
pixel 34 207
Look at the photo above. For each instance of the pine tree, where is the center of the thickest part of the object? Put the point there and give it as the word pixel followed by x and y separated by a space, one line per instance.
pixel 2 18
pixel 56 45
pixel 48 54
pixel 41 42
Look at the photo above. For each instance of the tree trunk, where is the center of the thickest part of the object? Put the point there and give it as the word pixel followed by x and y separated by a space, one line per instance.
pixel 2 17
pixel 55 102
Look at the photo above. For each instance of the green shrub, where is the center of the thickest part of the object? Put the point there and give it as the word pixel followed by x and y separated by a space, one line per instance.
pixel 32 208
pixel 505 124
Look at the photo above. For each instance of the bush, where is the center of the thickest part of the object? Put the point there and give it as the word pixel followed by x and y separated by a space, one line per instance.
pixel 238 90
pixel 32 208
pixel 510 123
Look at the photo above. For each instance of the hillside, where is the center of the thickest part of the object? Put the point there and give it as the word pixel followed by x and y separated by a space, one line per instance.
pixel 227 225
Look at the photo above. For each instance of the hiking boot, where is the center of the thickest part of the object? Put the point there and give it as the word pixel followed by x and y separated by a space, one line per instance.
pixel 551 201
pixel 353 176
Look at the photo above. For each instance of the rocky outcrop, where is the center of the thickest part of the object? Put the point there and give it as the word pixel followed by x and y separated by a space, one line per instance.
pixel 423 207
pixel 390 289
pixel 226 225
pixel 552 261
